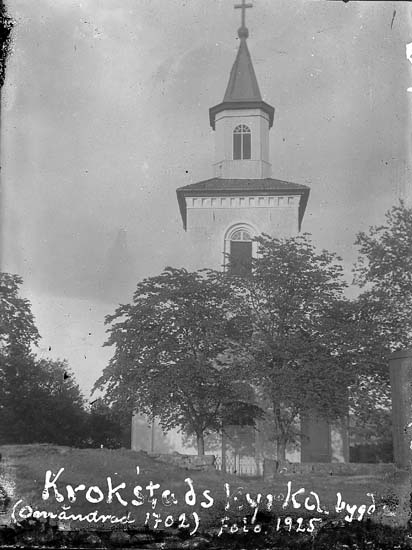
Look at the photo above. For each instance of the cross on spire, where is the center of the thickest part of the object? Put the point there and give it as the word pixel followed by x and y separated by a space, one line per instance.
pixel 243 6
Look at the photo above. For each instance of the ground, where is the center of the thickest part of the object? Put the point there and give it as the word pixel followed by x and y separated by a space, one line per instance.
pixel 23 472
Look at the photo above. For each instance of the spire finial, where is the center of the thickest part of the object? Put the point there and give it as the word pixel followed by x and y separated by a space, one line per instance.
pixel 243 30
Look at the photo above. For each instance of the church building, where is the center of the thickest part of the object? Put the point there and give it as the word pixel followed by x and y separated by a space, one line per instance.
pixel 242 200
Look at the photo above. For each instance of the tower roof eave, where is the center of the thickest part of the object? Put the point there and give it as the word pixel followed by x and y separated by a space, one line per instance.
pixel 241 104
pixel 242 187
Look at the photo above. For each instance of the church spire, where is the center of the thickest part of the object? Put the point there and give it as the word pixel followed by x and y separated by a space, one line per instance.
pixel 242 85
pixel 242 90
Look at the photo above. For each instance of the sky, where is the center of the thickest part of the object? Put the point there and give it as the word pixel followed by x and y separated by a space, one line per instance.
pixel 105 114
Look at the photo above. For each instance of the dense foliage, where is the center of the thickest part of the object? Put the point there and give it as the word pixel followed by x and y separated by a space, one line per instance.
pixel 205 350
pixel 173 353
pixel 384 269
pixel 384 272
pixel 40 401
pixel 294 298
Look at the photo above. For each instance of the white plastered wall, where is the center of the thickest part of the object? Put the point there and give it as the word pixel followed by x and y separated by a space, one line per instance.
pixel 258 166
pixel 207 226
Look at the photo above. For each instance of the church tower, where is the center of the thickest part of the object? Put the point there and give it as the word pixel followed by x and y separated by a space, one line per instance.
pixel 222 215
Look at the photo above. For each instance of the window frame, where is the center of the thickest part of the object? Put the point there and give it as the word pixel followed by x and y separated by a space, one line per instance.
pixel 241 146
pixel 230 232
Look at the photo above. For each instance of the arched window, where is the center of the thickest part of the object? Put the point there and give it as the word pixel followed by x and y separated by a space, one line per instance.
pixel 242 142
pixel 241 235
pixel 240 253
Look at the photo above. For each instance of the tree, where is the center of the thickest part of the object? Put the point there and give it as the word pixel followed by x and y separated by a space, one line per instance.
pixel 39 399
pixel 18 332
pixel 297 356
pixel 106 427
pixel 384 270
pixel 45 405
pixel 173 349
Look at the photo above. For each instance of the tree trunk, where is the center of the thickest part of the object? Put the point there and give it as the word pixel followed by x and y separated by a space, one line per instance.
pixel 281 439
pixel 281 449
pixel 200 444
pixel 223 451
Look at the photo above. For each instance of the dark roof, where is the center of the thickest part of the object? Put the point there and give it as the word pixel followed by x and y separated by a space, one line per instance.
pixel 242 91
pixel 243 184
pixel 242 85
pixel 242 187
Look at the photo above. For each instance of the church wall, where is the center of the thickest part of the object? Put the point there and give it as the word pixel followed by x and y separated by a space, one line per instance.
pixel 226 122
pixel 316 443
pixel 258 166
pixel 264 143
pixel 207 227
pixel 339 441
pixel 400 369
pixel 242 169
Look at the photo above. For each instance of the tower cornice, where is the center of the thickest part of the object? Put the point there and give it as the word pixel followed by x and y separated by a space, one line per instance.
pixel 219 187
pixel 236 105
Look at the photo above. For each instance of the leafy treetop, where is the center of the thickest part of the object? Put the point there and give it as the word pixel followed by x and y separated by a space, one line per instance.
pixel 17 329
pixel 172 346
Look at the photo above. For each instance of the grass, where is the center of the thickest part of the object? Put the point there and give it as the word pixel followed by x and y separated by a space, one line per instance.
pixel 23 469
